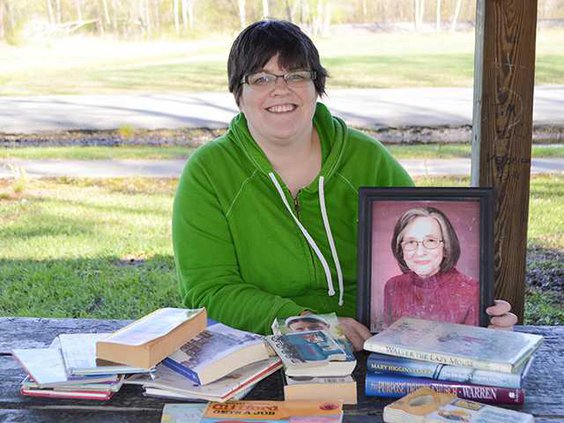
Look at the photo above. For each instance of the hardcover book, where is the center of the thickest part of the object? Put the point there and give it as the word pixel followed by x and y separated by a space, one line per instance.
pixel 311 353
pixel 320 388
pixel 428 406
pixel 216 352
pixel 79 356
pixel 52 393
pixel 384 386
pixel 400 366
pixel 147 341
pixel 221 390
pixel 455 344
pixel 274 411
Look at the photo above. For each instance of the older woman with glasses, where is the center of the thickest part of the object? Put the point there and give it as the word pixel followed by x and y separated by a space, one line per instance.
pixel 427 249
pixel 265 216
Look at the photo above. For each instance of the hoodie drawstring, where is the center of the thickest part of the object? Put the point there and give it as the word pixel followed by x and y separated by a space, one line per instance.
pixel 310 240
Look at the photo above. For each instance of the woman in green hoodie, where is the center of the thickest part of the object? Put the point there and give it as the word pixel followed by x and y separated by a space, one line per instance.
pixel 265 217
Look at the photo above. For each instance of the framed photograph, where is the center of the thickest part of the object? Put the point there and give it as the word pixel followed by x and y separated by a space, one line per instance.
pixel 425 253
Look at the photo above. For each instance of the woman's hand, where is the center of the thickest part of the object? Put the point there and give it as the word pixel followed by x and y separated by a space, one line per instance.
pixel 501 316
pixel 355 332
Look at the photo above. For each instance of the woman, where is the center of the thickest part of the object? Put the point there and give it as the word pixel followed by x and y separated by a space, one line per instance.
pixel 265 217
pixel 427 249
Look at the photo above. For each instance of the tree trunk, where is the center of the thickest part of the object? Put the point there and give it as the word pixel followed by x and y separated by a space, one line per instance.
pixel 78 10
pixel 438 17
pixel 364 10
pixel 175 12
pixel 184 15
pixel 58 11
pixel 50 14
pixel 242 13
pixel 190 6
pixel 456 15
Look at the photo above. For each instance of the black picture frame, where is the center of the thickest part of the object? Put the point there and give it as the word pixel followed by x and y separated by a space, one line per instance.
pixel 467 209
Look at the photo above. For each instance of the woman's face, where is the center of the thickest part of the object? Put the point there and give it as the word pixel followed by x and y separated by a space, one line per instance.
pixel 421 260
pixel 279 114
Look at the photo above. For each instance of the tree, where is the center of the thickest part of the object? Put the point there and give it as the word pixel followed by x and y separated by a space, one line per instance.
pixel 456 15
pixel 242 13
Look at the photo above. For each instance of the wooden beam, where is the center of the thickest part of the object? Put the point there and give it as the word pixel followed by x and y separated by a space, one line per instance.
pixel 502 131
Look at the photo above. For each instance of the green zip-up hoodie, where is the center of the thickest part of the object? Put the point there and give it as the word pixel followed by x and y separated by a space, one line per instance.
pixel 239 251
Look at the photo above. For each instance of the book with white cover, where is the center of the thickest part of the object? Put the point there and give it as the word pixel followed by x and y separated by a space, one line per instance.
pixel 47 368
pixel 79 355
pixel 220 390
pixel 455 344
pixel 182 413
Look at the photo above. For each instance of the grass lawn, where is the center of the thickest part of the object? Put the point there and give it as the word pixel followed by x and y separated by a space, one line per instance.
pixel 379 60
pixel 145 152
pixel 102 249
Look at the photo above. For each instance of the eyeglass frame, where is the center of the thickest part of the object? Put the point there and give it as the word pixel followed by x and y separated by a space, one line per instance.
pixel 440 241
pixel 245 79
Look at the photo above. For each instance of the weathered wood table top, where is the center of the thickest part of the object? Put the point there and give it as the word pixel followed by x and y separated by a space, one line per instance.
pixel 544 385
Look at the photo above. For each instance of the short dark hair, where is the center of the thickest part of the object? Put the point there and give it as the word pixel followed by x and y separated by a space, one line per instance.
pixel 451 244
pixel 261 41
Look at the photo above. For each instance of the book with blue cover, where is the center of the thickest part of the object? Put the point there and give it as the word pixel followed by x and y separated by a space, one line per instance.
pixel 400 366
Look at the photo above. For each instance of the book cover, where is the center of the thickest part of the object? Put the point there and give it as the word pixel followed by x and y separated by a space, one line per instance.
pixel 79 356
pixel 311 353
pixel 384 386
pixel 220 390
pixel 216 352
pixel 274 411
pixel 182 413
pixel 328 322
pixel 455 344
pixel 320 388
pixel 51 393
pixel 428 406
pixel 400 366
pixel 147 341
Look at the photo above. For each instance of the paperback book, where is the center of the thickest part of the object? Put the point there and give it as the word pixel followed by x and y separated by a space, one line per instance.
pixel 320 388
pixel 147 341
pixel 76 394
pixel 79 356
pixel 384 386
pixel 400 366
pixel 221 390
pixel 274 411
pixel 182 413
pixel 312 353
pixel 428 406
pixel 216 352
pixel 455 344
pixel 328 322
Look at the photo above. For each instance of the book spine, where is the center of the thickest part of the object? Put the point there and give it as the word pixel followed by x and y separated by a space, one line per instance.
pixel 442 358
pixel 379 385
pixel 180 369
pixel 380 363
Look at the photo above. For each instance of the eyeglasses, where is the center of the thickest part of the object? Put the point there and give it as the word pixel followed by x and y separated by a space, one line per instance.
pixel 265 80
pixel 428 243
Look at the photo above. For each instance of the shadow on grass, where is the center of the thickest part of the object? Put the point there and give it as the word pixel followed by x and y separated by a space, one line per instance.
pixel 105 287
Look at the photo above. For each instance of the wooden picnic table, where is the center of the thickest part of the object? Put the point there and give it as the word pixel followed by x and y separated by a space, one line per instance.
pixel 544 385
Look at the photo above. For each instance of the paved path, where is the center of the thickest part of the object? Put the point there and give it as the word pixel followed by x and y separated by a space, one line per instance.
pixel 367 108
pixel 172 168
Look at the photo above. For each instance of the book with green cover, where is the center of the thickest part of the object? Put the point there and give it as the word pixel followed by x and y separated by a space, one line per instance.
pixel 455 344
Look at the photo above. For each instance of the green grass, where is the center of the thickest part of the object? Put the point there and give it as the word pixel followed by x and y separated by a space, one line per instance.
pixel 145 152
pixel 379 60
pixel 102 249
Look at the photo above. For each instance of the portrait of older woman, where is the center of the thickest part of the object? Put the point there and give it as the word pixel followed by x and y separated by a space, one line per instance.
pixel 427 250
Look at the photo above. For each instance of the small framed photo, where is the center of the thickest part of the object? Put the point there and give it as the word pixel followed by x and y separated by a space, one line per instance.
pixel 425 253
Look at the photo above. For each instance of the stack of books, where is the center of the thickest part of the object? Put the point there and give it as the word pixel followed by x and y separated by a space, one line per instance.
pixel 480 364
pixel 68 369
pixel 318 363
pixel 171 352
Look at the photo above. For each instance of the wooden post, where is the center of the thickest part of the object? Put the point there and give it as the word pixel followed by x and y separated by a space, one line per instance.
pixel 502 131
